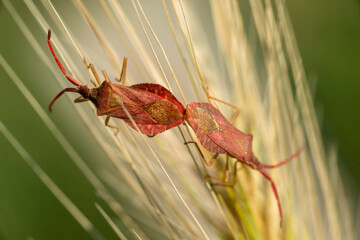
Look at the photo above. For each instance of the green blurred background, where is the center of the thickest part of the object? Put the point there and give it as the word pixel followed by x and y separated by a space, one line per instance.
pixel 328 35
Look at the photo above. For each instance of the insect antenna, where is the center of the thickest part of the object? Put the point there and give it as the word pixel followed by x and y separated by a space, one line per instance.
pixel 71 79
pixel 61 93
pixel 282 162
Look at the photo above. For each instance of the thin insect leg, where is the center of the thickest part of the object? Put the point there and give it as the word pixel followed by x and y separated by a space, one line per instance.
pixel 213 178
pixel 282 162
pixel 275 193
pixel 224 183
pixel 93 83
pixel 226 174
pixel 105 76
pixel 235 172
pixel 61 93
pixel 80 99
pixel 92 68
pixel 237 112
pixel 111 126
pixel 208 163
pixel 123 72
pixel 234 117
pixel 71 79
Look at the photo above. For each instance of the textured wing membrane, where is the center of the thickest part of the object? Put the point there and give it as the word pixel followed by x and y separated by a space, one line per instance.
pixel 111 96
pixel 162 92
pixel 163 112
pixel 153 108
pixel 201 123
pixel 150 130
pixel 216 132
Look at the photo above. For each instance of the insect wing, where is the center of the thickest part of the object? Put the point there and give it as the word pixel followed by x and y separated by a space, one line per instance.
pixel 161 92
pixel 202 122
pixel 231 139
pixel 148 129
pixel 234 142
pixel 162 107
pixel 112 95
pixel 220 132
pixel 152 107
pixel 157 117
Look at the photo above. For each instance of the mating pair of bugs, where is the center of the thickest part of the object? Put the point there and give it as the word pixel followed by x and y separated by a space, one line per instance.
pixel 154 109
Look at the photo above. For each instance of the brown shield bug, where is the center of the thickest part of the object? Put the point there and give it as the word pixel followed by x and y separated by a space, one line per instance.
pixel 152 107
pixel 219 136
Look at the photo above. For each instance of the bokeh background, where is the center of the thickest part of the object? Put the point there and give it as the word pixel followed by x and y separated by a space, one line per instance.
pixel 328 35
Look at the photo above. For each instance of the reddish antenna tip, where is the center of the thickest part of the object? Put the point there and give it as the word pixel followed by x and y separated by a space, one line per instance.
pixel 49 34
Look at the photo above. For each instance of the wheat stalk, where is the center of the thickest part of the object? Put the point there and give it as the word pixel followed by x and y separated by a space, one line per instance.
pixel 152 188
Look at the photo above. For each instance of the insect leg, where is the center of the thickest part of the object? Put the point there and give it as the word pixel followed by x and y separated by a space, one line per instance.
pixel 71 79
pixel 105 76
pixel 216 179
pixel 226 175
pixel 224 182
pixel 237 112
pixel 80 99
pixel 208 163
pixel 93 83
pixel 123 72
pixel 92 68
pixel 275 193
pixel 111 126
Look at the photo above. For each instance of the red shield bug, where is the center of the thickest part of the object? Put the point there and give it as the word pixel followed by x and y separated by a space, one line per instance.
pixel 219 136
pixel 153 108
